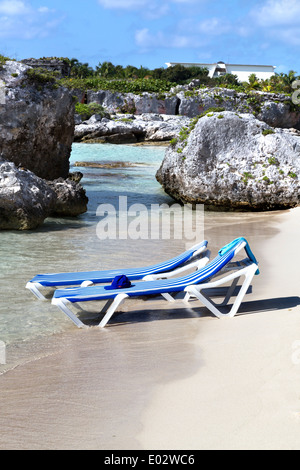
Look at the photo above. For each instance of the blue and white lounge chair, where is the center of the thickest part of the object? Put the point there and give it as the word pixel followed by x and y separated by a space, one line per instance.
pixel 192 284
pixel 85 279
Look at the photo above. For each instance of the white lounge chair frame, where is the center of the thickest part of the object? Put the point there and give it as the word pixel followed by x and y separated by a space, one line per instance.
pixel 245 269
pixel 112 304
pixel 36 288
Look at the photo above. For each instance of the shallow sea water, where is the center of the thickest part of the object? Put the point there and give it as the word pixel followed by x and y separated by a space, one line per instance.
pixel 72 244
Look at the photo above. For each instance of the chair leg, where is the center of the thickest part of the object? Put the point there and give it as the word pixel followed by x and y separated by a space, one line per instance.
pixel 34 288
pixel 168 297
pixel 62 304
pixel 248 273
pixel 112 308
pixel 229 292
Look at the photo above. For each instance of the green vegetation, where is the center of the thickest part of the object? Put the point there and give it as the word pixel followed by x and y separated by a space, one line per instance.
pixel 108 76
pixel 3 59
pixel 183 134
pixel 246 177
pixel 42 77
pixel 210 112
pixel 273 161
pixel 131 79
pixel 135 86
pixel 292 174
pixel 88 110
pixel 267 180
pixel 185 131
pixel 267 132
pixel 106 70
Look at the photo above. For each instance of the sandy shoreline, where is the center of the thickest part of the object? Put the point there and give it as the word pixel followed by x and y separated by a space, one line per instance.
pixel 246 393
pixel 172 379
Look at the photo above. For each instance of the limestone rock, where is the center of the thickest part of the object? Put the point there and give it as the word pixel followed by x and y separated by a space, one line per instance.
pixel 134 104
pixel 36 122
pixel 71 199
pixel 233 161
pixel 125 128
pixel 25 199
pixel 277 110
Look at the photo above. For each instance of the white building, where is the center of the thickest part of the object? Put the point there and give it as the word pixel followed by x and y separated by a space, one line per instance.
pixel 262 72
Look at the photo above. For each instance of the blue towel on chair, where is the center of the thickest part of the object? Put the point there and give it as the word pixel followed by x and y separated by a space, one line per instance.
pixel 119 282
pixel 228 247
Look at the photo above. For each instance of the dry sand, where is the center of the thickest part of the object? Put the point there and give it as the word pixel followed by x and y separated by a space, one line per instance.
pixel 174 378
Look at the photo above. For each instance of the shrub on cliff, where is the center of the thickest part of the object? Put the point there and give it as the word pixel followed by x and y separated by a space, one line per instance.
pixel 121 86
pixel 41 77
pixel 3 60
pixel 180 74
pixel 88 110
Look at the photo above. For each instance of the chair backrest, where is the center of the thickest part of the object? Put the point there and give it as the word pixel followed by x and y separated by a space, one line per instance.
pixel 173 263
pixel 213 267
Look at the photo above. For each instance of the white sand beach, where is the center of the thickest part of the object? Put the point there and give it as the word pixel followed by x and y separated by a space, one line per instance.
pixel 246 392
pixel 174 378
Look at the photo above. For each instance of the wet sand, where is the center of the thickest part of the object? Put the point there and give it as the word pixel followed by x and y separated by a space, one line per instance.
pixel 173 378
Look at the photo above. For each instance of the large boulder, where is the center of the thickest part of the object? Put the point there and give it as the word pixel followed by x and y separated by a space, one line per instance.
pixel 233 161
pixel 36 121
pixel 25 199
pixel 71 199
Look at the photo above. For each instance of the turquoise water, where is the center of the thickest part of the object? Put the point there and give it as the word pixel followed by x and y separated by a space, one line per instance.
pixel 136 182
pixel 72 244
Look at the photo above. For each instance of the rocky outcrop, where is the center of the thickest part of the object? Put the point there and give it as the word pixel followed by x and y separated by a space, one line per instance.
pixel 234 161
pixel 142 103
pixel 27 200
pixel 277 110
pixel 60 67
pixel 71 199
pixel 128 128
pixel 36 121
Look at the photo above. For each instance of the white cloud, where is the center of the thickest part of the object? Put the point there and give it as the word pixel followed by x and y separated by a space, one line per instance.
pixel 123 4
pixel 153 9
pixel 45 10
pixel 20 20
pixel 213 27
pixel 290 36
pixel 147 40
pixel 13 7
pixel 278 12
pixel 278 20
pixel 187 34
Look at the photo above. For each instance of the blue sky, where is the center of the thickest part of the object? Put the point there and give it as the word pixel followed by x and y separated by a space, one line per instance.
pixel 151 33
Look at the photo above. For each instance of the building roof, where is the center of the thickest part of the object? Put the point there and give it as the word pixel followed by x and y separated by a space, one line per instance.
pixel 216 63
